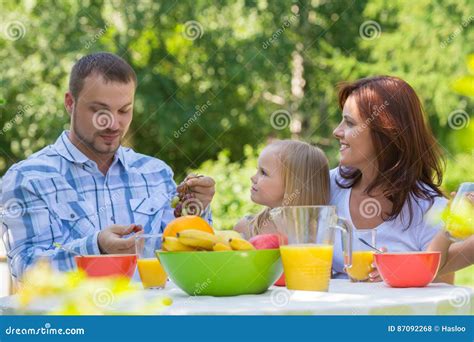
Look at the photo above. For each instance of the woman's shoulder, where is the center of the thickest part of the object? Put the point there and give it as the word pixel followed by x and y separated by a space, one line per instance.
pixel 336 190
pixel 432 202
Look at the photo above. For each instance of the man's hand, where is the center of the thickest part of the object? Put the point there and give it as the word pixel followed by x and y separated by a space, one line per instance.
pixel 203 188
pixel 111 240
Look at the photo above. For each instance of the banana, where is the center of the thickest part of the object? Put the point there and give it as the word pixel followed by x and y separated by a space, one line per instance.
pixel 172 244
pixel 239 244
pixel 221 247
pixel 225 235
pixel 197 238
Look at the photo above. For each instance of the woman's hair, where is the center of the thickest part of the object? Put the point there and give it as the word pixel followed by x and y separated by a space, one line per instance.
pixel 409 160
pixel 305 172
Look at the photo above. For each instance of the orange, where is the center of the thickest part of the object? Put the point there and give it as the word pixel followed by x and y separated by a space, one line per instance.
pixel 187 222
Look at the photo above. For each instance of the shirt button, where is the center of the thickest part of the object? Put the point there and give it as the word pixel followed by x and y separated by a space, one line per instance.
pixel 112 218
pixel 152 209
pixel 72 215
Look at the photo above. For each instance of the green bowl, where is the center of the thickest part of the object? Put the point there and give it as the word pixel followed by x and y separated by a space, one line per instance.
pixel 223 273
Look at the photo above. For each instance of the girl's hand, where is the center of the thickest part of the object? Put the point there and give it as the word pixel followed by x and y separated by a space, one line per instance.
pixel 374 276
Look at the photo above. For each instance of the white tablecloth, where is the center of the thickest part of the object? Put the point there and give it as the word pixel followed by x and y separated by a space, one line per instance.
pixel 343 298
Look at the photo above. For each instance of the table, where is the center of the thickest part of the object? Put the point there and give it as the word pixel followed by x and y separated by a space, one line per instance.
pixel 343 298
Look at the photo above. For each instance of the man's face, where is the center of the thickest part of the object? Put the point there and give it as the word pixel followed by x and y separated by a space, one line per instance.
pixel 101 114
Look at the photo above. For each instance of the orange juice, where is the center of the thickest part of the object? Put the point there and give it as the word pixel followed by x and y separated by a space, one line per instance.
pixel 460 219
pixel 307 266
pixel 152 273
pixel 361 265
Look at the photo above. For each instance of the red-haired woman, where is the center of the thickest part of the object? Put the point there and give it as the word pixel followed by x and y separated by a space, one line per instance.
pixel 390 165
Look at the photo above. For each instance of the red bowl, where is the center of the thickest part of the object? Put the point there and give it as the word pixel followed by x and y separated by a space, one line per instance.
pixel 108 264
pixel 408 269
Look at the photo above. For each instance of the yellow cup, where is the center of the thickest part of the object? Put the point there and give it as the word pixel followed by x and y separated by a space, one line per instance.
pixel 307 266
pixel 361 265
pixel 151 273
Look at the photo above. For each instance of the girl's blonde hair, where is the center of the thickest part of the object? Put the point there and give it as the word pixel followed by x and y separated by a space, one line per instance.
pixel 305 172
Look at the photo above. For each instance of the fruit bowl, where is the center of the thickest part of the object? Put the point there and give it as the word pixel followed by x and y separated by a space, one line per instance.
pixel 408 269
pixel 224 273
pixel 108 264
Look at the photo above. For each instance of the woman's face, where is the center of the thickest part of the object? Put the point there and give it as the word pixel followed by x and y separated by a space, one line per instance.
pixel 356 147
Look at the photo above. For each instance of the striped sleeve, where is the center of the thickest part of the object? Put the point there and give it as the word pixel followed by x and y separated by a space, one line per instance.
pixel 32 228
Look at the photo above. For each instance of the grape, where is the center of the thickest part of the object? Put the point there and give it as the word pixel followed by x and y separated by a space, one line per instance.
pixel 174 201
pixel 184 194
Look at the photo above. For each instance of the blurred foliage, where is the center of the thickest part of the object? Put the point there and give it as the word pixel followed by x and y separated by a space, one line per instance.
pixel 250 59
pixel 232 199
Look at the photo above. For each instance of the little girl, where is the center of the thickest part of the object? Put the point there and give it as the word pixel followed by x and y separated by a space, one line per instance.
pixel 289 173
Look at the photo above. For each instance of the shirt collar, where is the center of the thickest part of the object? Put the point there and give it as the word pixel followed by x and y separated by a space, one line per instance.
pixel 68 150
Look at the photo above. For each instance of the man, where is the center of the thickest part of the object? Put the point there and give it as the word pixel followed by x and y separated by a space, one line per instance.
pixel 86 191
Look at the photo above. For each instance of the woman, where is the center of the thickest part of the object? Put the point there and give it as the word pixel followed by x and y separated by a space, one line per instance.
pixel 390 167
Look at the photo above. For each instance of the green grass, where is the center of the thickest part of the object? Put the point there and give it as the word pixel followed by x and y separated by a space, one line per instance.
pixel 465 277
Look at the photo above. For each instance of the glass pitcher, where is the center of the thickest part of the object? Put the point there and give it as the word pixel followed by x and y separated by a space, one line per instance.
pixel 307 240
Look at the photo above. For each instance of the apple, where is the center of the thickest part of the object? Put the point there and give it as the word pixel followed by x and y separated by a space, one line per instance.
pixel 270 241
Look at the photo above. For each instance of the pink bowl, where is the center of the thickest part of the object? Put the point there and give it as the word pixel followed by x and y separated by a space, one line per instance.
pixel 408 269
pixel 108 264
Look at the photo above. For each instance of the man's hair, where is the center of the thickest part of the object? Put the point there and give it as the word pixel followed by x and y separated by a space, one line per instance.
pixel 111 67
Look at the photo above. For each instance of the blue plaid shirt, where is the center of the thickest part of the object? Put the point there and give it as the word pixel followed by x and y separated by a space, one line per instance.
pixel 59 195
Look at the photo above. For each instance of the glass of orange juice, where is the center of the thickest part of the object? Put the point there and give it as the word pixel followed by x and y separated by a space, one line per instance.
pixel 310 231
pixel 362 255
pixel 151 272
pixel 459 216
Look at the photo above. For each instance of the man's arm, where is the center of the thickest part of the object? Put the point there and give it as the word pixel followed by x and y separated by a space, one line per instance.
pixel 32 228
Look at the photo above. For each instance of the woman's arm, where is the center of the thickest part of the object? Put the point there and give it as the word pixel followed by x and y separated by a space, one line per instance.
pixel 460 255
pixel 441 243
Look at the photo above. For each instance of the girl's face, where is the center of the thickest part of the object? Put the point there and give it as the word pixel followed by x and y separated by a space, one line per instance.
pixel 356 148
pixel 268 187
